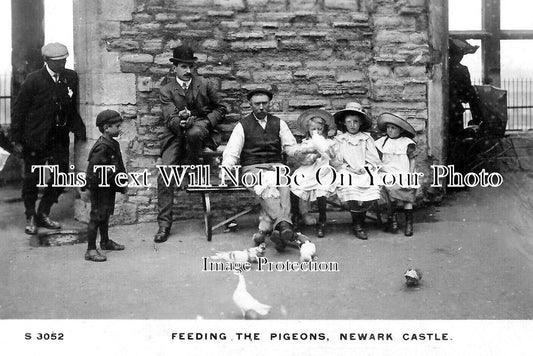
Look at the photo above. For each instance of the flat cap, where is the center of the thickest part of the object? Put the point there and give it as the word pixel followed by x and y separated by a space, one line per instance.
pixel 108 117
pixel 54 51
pixel 260 91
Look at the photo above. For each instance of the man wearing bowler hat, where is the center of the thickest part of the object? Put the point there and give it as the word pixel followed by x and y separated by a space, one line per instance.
pixel 259 140
pixel 191 111
pixel 44 113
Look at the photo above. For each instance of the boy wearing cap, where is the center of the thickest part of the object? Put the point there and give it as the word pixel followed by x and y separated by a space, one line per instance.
pixel 44 114
pixel 191 111
pixel 106 151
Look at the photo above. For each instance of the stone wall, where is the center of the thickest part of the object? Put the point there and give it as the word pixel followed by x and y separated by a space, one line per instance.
pixel 312 53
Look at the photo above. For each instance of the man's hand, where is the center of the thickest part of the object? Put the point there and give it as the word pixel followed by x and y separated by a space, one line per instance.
pixel 184 114
pixel 17 148
pixel 86 195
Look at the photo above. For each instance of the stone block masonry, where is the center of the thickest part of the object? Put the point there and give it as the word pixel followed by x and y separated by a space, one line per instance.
pixel 313 54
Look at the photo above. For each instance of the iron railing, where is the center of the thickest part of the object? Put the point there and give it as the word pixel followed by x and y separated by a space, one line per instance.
pixel 5 98
pixel 519 103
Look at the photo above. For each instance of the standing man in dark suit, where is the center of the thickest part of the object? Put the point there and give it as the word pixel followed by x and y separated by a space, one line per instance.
pixel 191 110
pixel 44 113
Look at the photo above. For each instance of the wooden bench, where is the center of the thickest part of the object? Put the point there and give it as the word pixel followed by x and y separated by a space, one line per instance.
pixel 206 202
pixel 213 158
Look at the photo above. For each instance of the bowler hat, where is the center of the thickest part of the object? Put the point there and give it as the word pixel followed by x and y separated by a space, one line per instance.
pixel 309 114
pixel 183 54
pixel 108 117
pixel 388 118
pixel 260 91
pixel 54 51
pixel 353 108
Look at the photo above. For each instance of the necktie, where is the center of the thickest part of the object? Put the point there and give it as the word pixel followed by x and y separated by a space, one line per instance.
pixel 185 86
pixel 56 77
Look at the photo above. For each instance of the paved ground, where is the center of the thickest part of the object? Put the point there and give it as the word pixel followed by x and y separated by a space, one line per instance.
pixel 475 250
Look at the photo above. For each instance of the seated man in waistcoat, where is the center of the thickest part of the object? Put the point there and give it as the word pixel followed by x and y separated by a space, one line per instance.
pixel 259 140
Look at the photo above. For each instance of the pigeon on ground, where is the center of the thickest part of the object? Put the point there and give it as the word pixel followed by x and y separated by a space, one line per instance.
pixel 255 252
pixel 250 255
pixel 232 256
pixel 413 277
pixel 247 304
pixel 307 251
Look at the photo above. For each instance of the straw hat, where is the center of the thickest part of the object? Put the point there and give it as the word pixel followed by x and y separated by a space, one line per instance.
pixel 309 114
pixel 388 118
pixel 461 46
pixel 353 108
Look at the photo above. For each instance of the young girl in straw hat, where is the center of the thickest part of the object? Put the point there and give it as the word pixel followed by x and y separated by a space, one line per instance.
pixel 316 153
pixel 397 149
pixel 354 149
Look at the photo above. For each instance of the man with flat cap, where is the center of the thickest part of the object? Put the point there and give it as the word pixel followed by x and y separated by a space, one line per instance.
pixel 191 110
pixel 258 141
pixel 44 114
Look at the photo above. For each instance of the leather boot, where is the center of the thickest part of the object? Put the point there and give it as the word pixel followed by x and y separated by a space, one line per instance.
pixel 392 223
pixel 44 221
pixel 31 226
pixel 321 227
pixel 408 223
pixel 162 234
pixel 357 225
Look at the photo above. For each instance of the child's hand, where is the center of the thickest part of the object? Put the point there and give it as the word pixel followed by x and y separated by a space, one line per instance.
pixel 313 157
pixel 86 196
pixel 358 171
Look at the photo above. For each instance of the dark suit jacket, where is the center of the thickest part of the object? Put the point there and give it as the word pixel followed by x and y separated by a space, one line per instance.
pixel 206 105
pixel 42 106
pixel 105 152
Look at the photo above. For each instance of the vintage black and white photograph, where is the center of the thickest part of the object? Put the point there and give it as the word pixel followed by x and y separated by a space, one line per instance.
pixel 256 164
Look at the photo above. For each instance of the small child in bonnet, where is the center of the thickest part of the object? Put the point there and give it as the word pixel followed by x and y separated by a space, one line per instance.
pixel 397 149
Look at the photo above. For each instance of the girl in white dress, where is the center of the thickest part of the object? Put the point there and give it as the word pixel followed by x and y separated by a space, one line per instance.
pixel 315 154
pixel 397 153
pixel 354 150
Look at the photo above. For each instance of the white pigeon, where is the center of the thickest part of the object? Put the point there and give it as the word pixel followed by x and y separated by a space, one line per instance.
pixel 413 277
pixel 232 256
pixel 255 252
pixel 307 251
pixel 245 302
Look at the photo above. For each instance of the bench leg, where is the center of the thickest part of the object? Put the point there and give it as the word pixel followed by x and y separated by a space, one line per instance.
pixel 207 216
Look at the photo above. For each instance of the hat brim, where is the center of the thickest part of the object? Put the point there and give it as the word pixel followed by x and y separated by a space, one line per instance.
pixel 56 58
pixel 179 60
pixel 388 118
pixel 460 46
pixel 307 115
pixel 260 91
pixel 339 118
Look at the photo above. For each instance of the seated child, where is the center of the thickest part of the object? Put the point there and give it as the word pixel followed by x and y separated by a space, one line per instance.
pixel 397 151
pixel 106 151
pixel 313 154
pixel 355 149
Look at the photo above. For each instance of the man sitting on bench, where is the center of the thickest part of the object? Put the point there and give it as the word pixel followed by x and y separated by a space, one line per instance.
pixel 259 140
